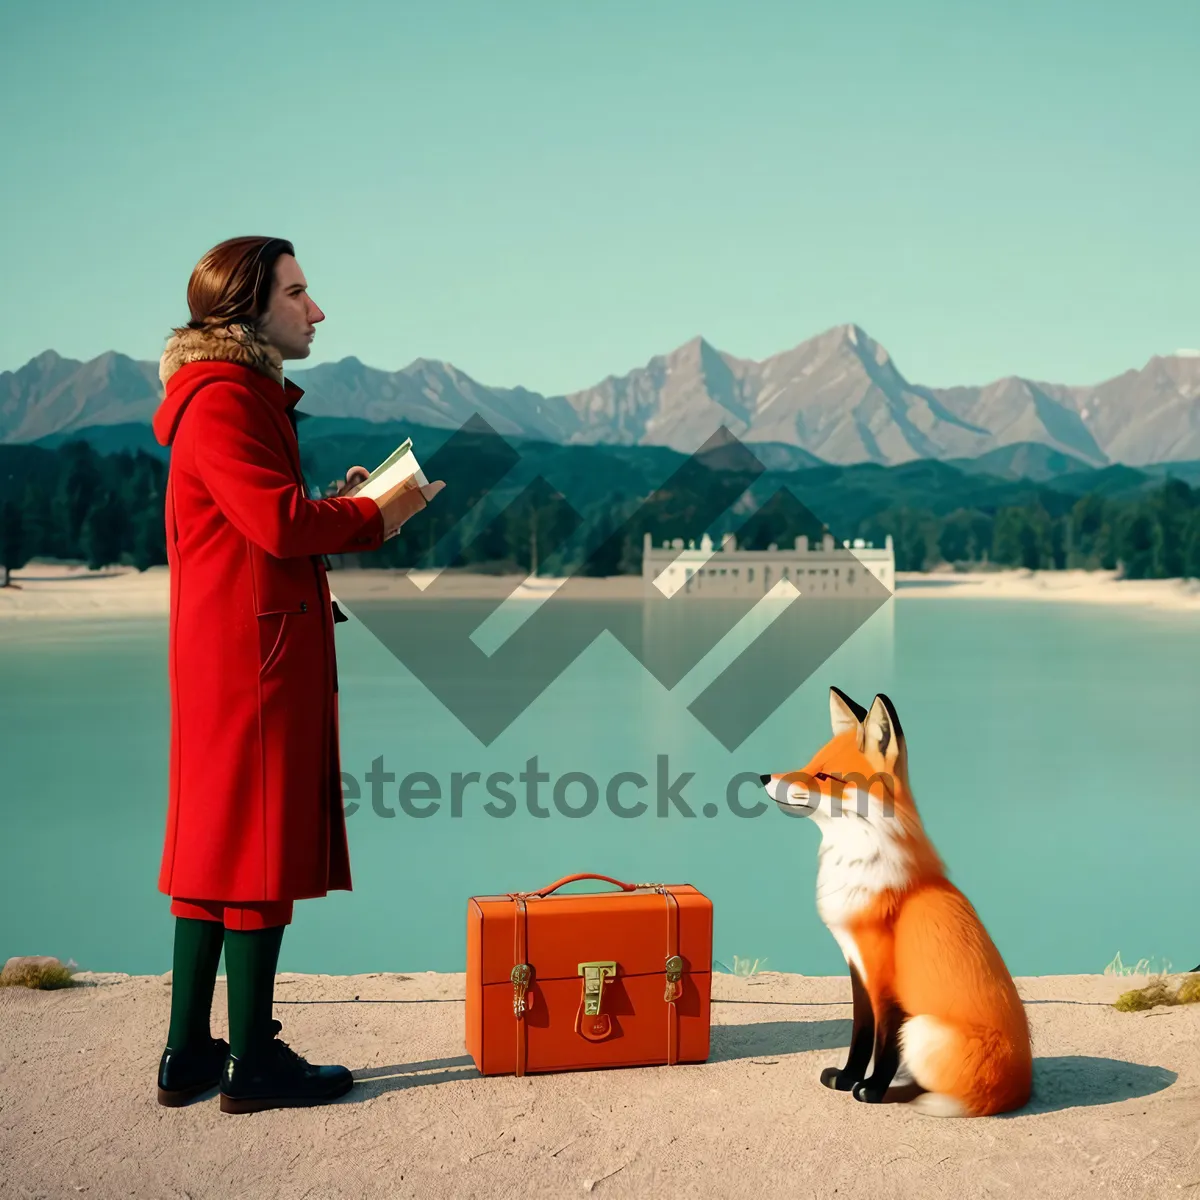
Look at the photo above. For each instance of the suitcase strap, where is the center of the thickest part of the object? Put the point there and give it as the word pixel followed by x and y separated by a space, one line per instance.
pixel 522 976
pixel 674 969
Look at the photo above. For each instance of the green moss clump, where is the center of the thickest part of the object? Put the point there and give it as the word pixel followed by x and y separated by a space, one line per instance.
pixel 1140 999
pixel 1157 992
pixel 1189 991
pixel 44 976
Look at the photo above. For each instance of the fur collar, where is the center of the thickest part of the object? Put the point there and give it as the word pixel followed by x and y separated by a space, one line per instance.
pixel 235 343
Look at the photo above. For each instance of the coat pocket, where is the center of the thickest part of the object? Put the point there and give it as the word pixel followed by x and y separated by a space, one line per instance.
pixel 273 630
pixel 281 585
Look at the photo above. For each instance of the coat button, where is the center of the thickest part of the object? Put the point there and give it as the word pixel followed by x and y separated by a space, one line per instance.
pixel 304 606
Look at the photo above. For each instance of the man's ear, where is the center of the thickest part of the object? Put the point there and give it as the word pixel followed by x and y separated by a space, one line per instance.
pixel 883 739
pixel 844 714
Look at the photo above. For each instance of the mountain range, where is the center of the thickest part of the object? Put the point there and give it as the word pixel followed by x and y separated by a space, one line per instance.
pixel 837 398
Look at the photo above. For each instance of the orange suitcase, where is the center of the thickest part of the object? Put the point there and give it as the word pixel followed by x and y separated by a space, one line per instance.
pixel 569 982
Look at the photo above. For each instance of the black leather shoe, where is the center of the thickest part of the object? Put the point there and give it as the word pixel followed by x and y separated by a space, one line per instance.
pixel 186 1072
pixel 273 1075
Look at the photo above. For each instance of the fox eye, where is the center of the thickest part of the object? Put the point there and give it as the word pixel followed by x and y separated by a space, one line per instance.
pixel 828 775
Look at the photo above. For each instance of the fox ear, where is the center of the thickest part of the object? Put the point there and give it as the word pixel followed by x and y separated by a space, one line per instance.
pixel 844 714
pixel 883 739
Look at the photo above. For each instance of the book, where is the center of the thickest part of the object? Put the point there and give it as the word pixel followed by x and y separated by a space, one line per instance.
pixel 399 471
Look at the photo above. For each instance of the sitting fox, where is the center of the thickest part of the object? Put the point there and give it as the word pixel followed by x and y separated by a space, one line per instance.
pixel 931 993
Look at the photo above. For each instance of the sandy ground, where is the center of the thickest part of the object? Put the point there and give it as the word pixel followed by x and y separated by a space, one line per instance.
pixel 56 590
pixel 1116 1107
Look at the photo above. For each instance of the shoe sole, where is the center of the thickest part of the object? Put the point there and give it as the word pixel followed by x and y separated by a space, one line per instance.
pixel 178 1099
pixel 252 1104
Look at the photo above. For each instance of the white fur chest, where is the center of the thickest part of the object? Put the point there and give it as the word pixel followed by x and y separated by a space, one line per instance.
pixel 857 861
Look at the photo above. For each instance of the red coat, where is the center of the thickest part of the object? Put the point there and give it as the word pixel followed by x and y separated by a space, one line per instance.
pixel 255 801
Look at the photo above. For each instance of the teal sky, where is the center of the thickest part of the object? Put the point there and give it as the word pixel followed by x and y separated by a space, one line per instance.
pixel 548 193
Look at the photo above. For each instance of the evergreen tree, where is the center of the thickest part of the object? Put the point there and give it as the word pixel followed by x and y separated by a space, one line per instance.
pixel 1090 540
pixel 490 544
pixel 145 506
pixel 1022 537
pixel 14 547
pixel 964 536
pixel 630 562
pixel 1171 507
pixel 1040 553
pixel 451 547
pixel 1060 540
pixel 1191 545
pixel 79 486
pixel 607 547
pixel 102 537
pixel 149 536
pixel 981 537
pixel 1140 543
pixel 538 523
pixel 37 520
pixel 914 536
pixel 1006 537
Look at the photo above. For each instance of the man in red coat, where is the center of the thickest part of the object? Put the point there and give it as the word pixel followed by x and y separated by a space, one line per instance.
pixel 255 818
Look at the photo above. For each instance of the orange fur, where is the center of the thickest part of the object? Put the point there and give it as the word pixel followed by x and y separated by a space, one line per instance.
pixel 883 890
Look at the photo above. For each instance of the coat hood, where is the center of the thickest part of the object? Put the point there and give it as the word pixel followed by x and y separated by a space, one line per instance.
pixel 227 351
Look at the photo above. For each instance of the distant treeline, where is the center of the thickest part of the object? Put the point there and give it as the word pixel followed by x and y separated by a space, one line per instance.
pixel 76 504
pixel 73 503
pixel 1152 536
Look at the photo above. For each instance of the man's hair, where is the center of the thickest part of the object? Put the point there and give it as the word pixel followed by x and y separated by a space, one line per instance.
pixel 231 284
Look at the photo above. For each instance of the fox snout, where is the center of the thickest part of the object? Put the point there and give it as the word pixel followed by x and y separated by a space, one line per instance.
pixel 791 794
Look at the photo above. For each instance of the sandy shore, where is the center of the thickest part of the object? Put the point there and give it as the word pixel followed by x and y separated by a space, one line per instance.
pixel 1116 1107
pixel 1080 587
pixel 57 590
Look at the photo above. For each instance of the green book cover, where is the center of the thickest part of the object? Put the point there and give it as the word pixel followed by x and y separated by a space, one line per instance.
pixel 399 452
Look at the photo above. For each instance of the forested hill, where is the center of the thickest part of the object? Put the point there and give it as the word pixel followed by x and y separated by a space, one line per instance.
pixel 587 507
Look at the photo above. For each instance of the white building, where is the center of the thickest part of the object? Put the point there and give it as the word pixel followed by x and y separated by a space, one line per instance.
pixel 824 570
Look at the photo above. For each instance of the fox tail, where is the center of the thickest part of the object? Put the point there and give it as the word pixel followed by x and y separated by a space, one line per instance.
pixel 965 1071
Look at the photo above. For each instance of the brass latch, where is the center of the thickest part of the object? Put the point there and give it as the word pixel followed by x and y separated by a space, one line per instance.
pixel 674 974
pixel 521 975
pixel 594 974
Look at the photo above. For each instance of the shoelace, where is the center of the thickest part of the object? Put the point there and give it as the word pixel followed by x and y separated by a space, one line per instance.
pixel 283 1048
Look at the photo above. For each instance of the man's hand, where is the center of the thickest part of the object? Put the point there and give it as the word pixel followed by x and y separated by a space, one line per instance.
pixel 401 503
pixel 354 477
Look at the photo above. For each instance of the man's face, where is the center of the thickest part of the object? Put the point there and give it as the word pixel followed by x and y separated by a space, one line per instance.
pixel 291 317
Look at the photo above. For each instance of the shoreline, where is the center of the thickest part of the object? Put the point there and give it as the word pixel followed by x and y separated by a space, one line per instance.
pixel 1071 586
pixel 1115 1097
pixel 49 590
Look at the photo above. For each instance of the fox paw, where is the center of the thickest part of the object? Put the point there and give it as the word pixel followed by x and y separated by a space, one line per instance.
pixel 868 1094
pixel 837 1079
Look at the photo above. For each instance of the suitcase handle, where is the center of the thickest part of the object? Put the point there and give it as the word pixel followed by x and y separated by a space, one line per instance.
pixel 553 887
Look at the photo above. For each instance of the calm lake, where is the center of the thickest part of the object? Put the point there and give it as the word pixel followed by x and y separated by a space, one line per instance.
pixel 1053 754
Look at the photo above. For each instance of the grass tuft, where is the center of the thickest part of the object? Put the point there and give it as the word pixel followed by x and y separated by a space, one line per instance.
pixel 742 966
pixel 1143 966
pixel 45 974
